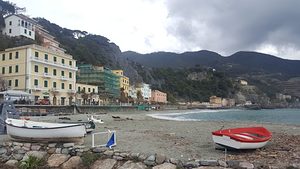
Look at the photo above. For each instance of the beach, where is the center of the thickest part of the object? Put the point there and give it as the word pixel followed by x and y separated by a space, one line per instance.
pixel 190 140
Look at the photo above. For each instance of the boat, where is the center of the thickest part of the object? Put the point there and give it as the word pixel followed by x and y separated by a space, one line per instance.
pixel 242 138
pixel 39 131
pixel 95 119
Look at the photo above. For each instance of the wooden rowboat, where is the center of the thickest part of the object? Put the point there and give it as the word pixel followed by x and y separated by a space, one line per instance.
pixel 31 130
pixel 242 138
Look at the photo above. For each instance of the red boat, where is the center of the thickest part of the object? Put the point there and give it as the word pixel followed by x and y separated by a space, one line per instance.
pixel 242 138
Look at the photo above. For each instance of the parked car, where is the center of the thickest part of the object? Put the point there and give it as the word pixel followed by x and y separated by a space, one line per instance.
pixel 43 102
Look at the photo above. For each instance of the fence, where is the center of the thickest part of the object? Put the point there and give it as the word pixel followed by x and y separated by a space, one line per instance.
pixel 104 139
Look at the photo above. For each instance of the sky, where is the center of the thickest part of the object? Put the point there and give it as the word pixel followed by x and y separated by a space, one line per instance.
pixel 145 26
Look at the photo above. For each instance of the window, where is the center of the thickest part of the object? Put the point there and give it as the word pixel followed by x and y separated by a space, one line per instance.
pixel 3 56
pixel 17 55
pixel 46 56
pixel 93 90
pixel 45 83
pixel 36 82
pixel 36 54
pixel 17 68
pixel 78 90
pixel 70 63
pixel 25 31
pixel 29 33
pixel 10 56
pixel 70 74
pixel 3 70
pixel 62 86
pixel 9 31
pixel 89 90
pixel 36 68
pixel 55 59
pixel 54 72
pixel 10 22
pixel 70 86
pixel 62 73
pixel 63 61
pixel 54 84
pixel 9 83
pixel 16 83
pixel 83 89
pixel 10 69
pixel 45 70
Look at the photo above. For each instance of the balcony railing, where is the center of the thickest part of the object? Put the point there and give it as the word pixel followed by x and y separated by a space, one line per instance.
pixel 48 75
pixel 52 63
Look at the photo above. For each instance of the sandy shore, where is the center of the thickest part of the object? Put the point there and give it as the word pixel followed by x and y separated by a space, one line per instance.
pixel 137 132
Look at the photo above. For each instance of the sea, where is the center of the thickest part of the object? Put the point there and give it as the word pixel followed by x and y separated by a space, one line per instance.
pixel 274 116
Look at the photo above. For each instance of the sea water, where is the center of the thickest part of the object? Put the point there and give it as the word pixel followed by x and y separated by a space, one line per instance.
pixel 277 116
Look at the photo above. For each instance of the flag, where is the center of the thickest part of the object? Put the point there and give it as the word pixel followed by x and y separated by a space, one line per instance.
pixel 111 141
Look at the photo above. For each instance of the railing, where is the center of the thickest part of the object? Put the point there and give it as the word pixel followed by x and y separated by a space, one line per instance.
pixel 52 63
pixel 103 141
pixel 47 75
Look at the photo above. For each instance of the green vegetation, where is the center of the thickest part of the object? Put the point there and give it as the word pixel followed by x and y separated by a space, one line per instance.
pixel 89 158
pixel 32 162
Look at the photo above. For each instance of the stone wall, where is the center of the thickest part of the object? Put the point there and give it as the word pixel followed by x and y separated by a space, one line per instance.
pixel 69 155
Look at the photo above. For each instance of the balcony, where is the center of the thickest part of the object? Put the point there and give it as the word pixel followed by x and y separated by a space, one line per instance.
pixel 54 89
pixel 64 78
pixel 71 91
pixel 52 63
pixel 47 75
pixel 37 88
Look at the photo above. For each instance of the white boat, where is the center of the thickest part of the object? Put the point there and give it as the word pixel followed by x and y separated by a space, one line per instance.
pixel 242 138
pixel 31 130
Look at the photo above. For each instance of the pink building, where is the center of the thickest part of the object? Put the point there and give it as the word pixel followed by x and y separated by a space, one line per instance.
pixel 158 97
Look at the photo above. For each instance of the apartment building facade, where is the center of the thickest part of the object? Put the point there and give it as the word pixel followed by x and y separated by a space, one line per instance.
pixel 145 91
pixel 158 97
pixel 40 71
pixel 87 94
pixel 19 25
pixel 124 81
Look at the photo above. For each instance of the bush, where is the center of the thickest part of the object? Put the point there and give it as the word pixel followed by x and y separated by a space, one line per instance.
pixel 89 158
pixel 31 163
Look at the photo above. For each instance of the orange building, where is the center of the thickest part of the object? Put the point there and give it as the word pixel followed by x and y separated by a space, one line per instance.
pixel 158 97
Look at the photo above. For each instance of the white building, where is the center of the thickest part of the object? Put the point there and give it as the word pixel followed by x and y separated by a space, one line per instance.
pixel 19 25
pixel 132 92
pixel 145 90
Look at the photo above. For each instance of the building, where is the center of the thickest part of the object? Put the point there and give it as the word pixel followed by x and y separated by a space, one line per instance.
pixel 107 82
pixel 243 82
pixel 158 97
pixel 132 94
pixel 19 25
pixel 145 91
pixel 87 95
pixel 214 100
pixel 40 71
pixel 228 102
pixel 123 80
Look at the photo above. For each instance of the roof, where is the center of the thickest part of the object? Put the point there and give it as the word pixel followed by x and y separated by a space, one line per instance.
pixel 24 18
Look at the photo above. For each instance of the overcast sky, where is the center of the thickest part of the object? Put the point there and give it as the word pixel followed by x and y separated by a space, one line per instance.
pixel 144 26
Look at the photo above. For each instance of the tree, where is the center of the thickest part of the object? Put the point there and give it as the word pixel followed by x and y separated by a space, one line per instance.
pixel 3 84
pixel 139 95
pixel 123 97
pixel 5 8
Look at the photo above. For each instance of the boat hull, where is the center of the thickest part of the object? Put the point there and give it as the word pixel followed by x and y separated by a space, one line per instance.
pixel 227 142
pixel 43 131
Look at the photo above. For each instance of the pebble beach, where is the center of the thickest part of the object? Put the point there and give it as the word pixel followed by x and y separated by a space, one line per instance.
pixel 189 140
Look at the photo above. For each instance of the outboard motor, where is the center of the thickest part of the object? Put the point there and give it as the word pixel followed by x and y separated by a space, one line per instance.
pixel 7 110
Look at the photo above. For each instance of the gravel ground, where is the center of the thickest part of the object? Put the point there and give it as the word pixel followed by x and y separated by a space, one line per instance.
pixel 137 132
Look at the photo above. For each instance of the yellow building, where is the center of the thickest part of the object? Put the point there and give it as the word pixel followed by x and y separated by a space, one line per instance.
pixel 124 81
pixel 215 100
pixel 87 94
pixel 43 72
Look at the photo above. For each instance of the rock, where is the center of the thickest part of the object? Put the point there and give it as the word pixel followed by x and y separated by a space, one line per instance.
pixel 80 146
pixel 4 158
pixel 21 151
pixel 209 163
pixel 8 144
pixel 142 157
pixel 3 151
pixel 17 144
pixel 233 164
pixel 26 148
pixel 174 161
pixel 222 163
pixel 132 165
pixel 104 164
pixel 191 164
pixel 134 155
pixel 55 160
pixel 118 158
pixel 66 145
pixel 124 155
pixel 150 161
pixel 18 156
pixel 37 154
pixel 79 153
pixel 108 153
pixel 58 150
pixel 16 148
pixel 208 167
pixel 65 151
pixel 98 150
pixel 51 150
pixel 35 147
pixel 52 145
pixel 72 163
pixel 160 158
pixel 12 163
pixel 165 166
pixel 28 145
pixel 246 165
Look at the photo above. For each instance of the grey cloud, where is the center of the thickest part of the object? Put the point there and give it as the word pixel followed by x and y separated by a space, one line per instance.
pixel 228 26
